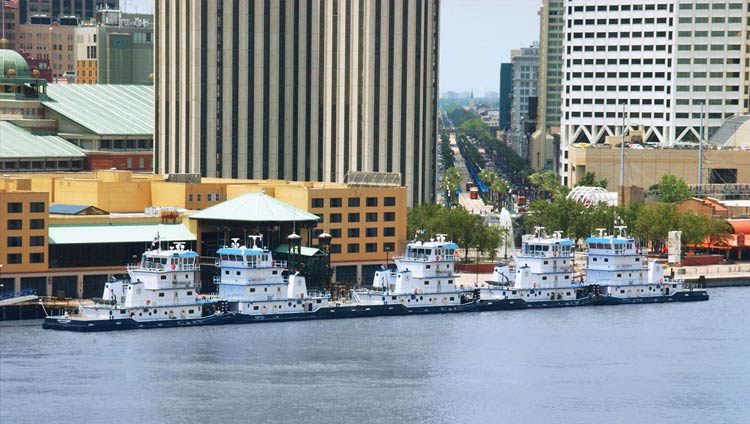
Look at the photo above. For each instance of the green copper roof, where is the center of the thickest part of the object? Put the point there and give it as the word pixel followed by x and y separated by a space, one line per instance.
pixel 105 109
pixel 126 233
pixel 255 207
pixel 10 59
pixel 17 143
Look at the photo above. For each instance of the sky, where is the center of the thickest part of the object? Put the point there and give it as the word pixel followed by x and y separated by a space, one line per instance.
pixel 475 37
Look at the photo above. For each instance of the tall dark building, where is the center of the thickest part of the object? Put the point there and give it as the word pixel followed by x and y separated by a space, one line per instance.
pixel 506 94
pixel 298 89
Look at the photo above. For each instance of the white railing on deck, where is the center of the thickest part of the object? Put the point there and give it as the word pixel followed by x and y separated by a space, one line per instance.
pixel 162 267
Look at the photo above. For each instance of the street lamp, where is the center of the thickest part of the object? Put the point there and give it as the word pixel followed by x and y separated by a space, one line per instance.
pixel 294 241
pixel 324 241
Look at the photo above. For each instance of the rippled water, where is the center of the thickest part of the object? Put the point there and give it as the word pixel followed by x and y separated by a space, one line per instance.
pixel 675 363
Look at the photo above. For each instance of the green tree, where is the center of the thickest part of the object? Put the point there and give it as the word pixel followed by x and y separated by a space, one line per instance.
pixel 654 223
pixel 548 181
pixel 673 189
pixel 589 180
pixel 451 181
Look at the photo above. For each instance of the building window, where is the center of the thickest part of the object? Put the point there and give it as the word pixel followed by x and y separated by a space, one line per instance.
pixel 336 232
pixel 389 247
pixel 15 207
pixel 15 224
pixel 353 217
pixel 352 232
pixel 13 258
pixel 371 247
pixel 371 232
pixel 389 231
pixel 37 207
pixel 352 248
pixel 198 197
pixel 389 216
pixel 15 241
pixel 335 202
pixel 190 197
pixel 36 224
pixel 372 201
pixel 209 197
pixel 36 240
pixel 353 202
pixel 371 217
pixel 36 258
pixel 335 217
pixel 317 203
pixel 335 248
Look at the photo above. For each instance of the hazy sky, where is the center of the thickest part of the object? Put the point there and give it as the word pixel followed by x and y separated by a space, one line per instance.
pixel 475 37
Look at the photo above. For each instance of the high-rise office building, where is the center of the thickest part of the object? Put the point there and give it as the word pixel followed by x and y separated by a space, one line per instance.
pixel 506 94
pixel 300 90
pixel 655 64
pixel 541 149
pixel 523 110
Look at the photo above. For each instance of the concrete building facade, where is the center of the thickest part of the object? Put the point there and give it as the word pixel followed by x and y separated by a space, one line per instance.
pixel 650 66
pixel 306 90
pixel 52 41
pixel 81 9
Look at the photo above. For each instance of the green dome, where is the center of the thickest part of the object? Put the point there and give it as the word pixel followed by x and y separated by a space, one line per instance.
pixel 10 59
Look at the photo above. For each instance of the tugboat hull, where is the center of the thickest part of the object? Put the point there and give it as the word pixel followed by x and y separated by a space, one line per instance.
pixel 356 311
pixel 85 326
pixel 682 296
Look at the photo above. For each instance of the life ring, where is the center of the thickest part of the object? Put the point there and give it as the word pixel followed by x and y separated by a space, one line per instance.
pixel 148 302
pixel 661 280
pixel 554 253
pixel 456 254
pixel 437 257
pixel 174 266
pixel 273 264
pixel 416 291
pixel 534 285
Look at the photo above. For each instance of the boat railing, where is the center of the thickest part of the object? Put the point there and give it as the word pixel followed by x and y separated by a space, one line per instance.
pixel 11 294
pixel 162 267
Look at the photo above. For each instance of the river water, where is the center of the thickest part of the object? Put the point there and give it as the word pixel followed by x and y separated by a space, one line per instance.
pixel 667 363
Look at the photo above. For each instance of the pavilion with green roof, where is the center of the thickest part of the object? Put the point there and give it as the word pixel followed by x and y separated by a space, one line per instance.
pixel 253 214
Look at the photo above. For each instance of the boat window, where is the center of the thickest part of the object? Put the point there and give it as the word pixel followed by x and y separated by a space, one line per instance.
pixel 252 290
pixel 163 277
pixel 161 294
pixel 189 293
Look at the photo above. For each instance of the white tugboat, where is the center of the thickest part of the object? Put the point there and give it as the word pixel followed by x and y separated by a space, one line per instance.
pixel 424 281
pixel 161 292
pixel 625 275
pixel 256 289
pixel 544 277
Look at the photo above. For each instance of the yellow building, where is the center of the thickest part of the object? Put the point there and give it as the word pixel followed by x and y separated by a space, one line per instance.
pixel 368 223
pixel 86 72
pixel 645 167
pixel 23 226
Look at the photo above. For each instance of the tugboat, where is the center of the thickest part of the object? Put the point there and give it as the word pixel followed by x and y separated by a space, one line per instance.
pixel 255 288
pixel 544 277
pixel 160 293
pixel 423 282
pixel 622 270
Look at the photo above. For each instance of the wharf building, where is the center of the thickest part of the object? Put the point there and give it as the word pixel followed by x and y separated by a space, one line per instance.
pixel 60 127
pixel 665 68
pixel 71 232
pixel 298 90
